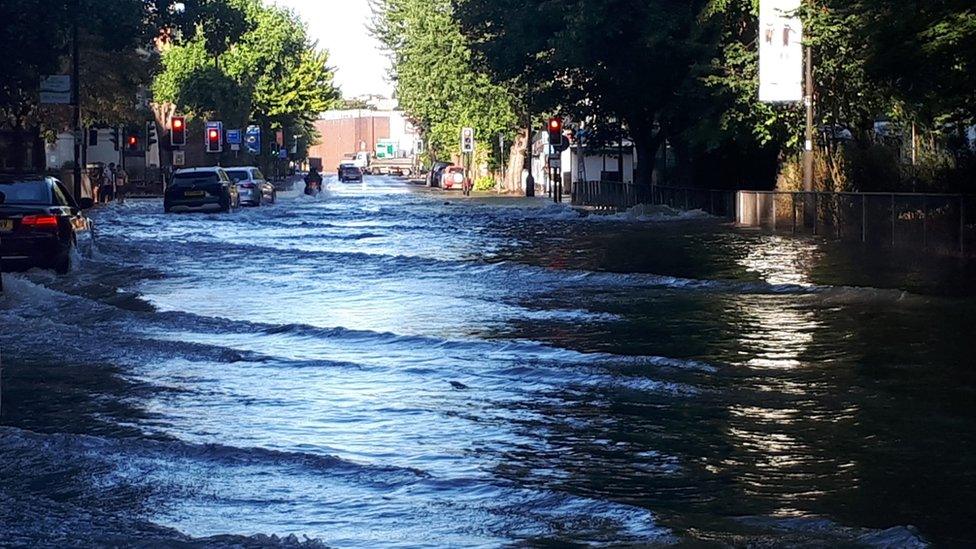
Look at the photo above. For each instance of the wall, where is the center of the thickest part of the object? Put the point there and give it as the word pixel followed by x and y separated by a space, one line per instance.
pixel 349 131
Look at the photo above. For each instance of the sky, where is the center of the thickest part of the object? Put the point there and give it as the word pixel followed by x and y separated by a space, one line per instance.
pixel 340 27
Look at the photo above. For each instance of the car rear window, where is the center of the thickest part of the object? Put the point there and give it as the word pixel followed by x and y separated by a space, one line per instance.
pixel 26 192
pixel 191 179
pixel 351 171
pixel 239 175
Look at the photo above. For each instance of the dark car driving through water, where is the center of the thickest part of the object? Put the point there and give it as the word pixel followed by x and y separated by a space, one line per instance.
pixel 349 173
pixel 41 225
pixel 201 189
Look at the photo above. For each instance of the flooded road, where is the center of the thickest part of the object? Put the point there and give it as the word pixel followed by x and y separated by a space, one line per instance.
pixel 385 367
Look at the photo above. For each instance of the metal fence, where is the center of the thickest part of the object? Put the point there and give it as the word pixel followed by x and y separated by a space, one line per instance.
pixel 614 195
pixel 938 222
pixel 941 223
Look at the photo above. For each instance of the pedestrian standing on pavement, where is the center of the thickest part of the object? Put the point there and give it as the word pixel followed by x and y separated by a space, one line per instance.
pixel 121 183
pixel 92 179
pixel 108 183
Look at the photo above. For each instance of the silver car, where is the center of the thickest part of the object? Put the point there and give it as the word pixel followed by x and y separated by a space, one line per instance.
pixel 253 188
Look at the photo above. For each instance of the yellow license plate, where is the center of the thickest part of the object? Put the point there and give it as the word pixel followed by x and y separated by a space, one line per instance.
pixel 6 225
pixel 191 194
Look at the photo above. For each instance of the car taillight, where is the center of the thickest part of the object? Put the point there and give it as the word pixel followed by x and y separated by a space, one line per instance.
pixel 39 222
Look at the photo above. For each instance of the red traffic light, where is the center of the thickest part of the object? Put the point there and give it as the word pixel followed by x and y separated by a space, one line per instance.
pixel 214 135
pixel 133 142
pixel 555 125
pixel 177 135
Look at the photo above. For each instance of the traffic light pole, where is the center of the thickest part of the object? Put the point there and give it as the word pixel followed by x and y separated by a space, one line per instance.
pixel 529 181
pixel 76 96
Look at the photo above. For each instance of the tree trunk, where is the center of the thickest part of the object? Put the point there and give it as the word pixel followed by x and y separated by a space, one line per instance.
pixel 646 146
pixel 516 164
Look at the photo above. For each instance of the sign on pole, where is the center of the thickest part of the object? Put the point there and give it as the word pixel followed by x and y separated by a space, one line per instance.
pixel 56 90
pixel 780 52
pixel 179 158
pixel 252 139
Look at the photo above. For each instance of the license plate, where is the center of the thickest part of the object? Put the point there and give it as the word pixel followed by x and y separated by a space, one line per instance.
pixel 6 225
pixel 193 194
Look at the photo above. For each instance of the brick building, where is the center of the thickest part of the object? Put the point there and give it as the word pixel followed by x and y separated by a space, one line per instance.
pixel 346 132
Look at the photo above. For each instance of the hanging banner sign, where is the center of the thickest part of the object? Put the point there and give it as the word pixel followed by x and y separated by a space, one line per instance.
pixel 780 52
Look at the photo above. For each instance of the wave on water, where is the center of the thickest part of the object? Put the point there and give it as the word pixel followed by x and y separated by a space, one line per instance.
pixel 812 530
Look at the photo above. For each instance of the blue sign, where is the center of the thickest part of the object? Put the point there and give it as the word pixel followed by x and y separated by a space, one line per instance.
pixel 252 139
pixel 233 137
pixel 283 154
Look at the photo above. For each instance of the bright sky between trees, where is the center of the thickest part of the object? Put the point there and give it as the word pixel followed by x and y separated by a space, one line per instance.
pixel 340 26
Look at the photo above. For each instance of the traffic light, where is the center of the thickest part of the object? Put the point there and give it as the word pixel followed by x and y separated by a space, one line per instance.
pixel 92 137
pixel 214 142
pixel 555 131
pixel 467 140
pixel 132 142
pixel 558 141
pixel 114 137
pixel 177 134
pixel 151 137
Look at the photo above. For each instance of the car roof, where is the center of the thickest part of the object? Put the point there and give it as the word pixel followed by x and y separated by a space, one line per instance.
pixel 200 170
pixel 23 178
pixel 241 168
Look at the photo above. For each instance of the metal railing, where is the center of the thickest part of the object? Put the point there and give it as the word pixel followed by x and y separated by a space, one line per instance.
pixel 614 195
pixel 943 223
pixel 938 222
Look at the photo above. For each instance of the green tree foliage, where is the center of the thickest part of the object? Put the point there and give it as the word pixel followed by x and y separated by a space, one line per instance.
pixel 600 60
pixel 436 84
pixel 36 37
pixel 924 52
pixel 272 74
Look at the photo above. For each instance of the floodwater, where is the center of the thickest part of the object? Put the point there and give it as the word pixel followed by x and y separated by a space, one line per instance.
pixel 389 367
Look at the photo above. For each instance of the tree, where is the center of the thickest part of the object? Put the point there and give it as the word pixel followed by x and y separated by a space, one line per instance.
pixel 436 83
pixel 597 59
pixel 272 74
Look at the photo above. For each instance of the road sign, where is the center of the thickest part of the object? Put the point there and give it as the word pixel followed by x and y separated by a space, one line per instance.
pixel 467 140
pixel 252 139
pixel 179 158
pixel 56 90
pixel 555 163
pixel 233 137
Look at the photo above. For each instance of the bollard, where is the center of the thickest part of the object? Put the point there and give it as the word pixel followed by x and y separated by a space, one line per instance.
pixel 864 219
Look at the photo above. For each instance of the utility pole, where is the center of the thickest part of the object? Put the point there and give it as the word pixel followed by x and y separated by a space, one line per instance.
pixel 808 142
pixel 76 96
pixel 529 181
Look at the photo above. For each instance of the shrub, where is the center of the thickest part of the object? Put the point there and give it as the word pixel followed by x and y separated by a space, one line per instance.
pixel 484 183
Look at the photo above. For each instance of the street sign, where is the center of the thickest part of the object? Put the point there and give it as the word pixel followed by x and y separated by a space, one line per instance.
pixel 56 90
pixel 252 139
pixel 467 140
pixel 179 158
pixel 780 52
pixel 555 163
pixel 233 137
pixel 283 154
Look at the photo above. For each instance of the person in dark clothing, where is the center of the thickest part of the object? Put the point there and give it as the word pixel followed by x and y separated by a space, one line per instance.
pixel 313 182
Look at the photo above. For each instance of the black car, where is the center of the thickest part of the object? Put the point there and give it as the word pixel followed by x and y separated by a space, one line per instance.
pixel 350 173
pixel 201 189
pixel 41 225
pixel 436 172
